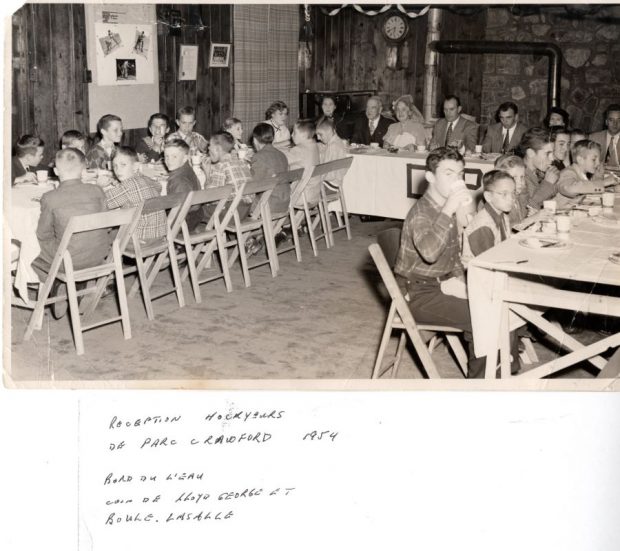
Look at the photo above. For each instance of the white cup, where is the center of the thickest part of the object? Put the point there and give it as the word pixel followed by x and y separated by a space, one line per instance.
pixel 421 147
pixel 550 206
pixel 562 222
pixel 374 145
pixel 42 176
pixel 607 198
pixel 196 159
pixel 478 149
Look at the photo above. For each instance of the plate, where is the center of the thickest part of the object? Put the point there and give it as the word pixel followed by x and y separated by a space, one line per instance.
pixel 544 243
pixel 610 221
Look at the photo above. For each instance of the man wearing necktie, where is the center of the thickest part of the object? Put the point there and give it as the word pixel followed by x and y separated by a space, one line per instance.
pixel 454 127
pixel 504 136
pixel 372 126
pixel 609 139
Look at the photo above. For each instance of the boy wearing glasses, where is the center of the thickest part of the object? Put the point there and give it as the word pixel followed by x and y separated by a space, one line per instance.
pixel 491 225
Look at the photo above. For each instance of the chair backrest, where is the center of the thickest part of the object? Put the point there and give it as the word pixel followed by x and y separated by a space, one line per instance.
pixel 389 241
pixel 332 166
pixel 262 189
pixel 125 220
pixel 402 308
pixel 290 175
pixel 176 206
pixel 299 189
pixel 223 195
pixel 165 203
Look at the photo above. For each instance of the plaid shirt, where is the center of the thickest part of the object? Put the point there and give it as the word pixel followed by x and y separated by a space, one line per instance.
pixel 194 140
pixel 131 193
pixel 538 189
pixel 230 170
pixel 429 244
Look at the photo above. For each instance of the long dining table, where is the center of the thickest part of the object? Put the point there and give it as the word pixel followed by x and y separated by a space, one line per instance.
pixel 581 275
pixel 386 184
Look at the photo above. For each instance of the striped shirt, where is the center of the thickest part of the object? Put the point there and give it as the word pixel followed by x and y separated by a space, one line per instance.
pixel 132 192
pixel 429 243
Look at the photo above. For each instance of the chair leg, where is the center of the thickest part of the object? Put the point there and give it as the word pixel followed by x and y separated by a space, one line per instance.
pixel 221 247
pixel 270 245
pixel 176 275
pixel 529 349
pixel 142 281
pixel 294 231
pixel 137 283
pixel 387 332
pixel 36 319
pixel 74 311
pixel 122 296
pixel 310 230
pixel 345 214
pixel 433 343
pixel 324 224
pixel 191 266
pixel 399 353
pixel 329 233
pixel 461 356
pixel 243 258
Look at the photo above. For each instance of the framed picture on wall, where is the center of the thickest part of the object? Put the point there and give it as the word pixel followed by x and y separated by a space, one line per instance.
pixel 219 55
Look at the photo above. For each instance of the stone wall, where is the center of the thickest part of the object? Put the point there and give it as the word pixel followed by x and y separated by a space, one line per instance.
pixel 590 68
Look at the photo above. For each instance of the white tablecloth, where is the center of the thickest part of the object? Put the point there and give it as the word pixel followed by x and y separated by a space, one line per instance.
pixel 586 260
pixel 23 219
pixel 386 184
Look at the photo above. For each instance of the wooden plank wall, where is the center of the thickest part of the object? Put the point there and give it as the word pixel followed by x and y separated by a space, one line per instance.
pixel 349 53
pixel 49 91
pixel 461 74
pixel 211 93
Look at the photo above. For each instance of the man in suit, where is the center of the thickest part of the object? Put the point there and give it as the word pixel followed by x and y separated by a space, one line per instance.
pixel 372 126
pixel 609 139
pixel 454 127
pixel 504 136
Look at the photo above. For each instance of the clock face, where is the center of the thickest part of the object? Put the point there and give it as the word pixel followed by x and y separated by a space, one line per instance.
pixel 395 27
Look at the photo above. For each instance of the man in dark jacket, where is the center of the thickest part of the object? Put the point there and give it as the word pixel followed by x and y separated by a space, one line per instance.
pixel 372 126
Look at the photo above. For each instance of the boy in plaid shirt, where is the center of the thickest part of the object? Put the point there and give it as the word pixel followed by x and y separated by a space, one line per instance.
pixel 132 189
pixel 429 254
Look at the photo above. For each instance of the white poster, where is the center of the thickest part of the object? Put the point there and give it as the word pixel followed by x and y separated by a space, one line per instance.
pixel 124 54
pixel 188 62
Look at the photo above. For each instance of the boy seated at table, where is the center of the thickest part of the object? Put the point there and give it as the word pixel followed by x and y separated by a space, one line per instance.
pixel 72 198
pixel 428 260
pixel 186 120
pixel 585 175
pixel 491 224
pixel 182 178
pixel 27 160
pixel 331 148
pixel 75 139
pixel 303 154
pixel 132 189
pixel 515 167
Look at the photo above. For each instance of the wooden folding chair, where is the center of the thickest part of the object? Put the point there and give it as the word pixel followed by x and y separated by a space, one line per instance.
pixel 400 317
pixel 151 257
pixel 200 245
pixel 292 217
pixel 333 193
pixel 126 221
pixel 258 222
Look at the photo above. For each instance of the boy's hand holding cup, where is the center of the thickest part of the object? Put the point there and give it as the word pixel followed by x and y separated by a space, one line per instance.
pixel 459 197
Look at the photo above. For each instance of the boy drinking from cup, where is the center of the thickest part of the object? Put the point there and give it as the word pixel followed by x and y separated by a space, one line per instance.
pixel 429 255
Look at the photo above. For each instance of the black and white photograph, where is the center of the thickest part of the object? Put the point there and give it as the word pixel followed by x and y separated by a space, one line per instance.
pixel 436 198
pixel 125 69
pixel 311 276
pixel 219 54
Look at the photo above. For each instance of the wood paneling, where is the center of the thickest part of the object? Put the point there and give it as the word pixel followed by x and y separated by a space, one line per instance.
pixel 461 74
pixel 349 53
pixel 49 63
pixel 211 93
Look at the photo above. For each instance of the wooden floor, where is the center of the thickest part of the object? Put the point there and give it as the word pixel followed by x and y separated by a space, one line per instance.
pixel 319 319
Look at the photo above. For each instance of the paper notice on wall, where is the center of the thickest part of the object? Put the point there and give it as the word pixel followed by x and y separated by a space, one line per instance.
pixel 188 62
pixel 124 54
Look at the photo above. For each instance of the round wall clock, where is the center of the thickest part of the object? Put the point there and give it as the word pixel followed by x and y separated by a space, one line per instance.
pixel 395 27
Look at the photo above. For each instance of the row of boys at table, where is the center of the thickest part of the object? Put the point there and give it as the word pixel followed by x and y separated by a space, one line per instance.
pixel 437 244
pixel 125 185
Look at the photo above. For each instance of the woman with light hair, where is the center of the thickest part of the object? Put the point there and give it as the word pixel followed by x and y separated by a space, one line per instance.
pixel 408 131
